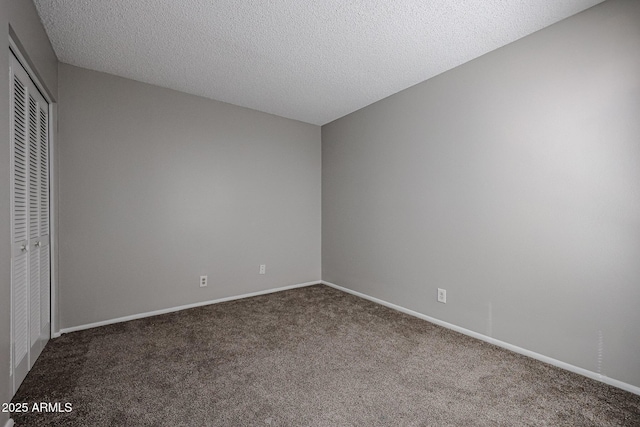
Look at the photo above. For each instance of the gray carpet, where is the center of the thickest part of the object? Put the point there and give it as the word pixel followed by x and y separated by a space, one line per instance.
pixel 312 356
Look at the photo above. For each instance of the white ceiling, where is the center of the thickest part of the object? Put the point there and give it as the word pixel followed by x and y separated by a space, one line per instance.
pixel 313 61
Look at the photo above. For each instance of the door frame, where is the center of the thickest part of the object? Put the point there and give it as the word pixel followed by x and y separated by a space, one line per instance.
pixel 17 51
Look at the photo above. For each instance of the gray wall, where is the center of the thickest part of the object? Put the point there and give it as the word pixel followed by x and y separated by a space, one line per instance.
pixel 513 182
pixel 22 17
pixel 158 187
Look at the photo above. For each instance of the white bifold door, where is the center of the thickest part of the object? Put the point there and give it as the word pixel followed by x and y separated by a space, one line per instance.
pixel 30 256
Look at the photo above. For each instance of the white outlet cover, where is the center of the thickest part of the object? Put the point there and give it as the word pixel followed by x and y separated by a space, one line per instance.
pixel 203 281
pixel 442 295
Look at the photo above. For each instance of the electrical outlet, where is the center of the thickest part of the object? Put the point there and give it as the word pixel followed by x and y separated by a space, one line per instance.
pixel 203 281
pixel 442 295
pixel 263 269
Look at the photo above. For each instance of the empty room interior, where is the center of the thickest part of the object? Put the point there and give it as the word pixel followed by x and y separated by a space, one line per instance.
pixel 297 213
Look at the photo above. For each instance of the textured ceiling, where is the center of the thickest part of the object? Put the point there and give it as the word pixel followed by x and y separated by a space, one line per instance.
pixel 313 61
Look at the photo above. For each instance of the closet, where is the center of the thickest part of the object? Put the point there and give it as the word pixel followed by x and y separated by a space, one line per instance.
pixel 30 254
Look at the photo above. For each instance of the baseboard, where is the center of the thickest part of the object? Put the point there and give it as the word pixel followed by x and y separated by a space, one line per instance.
pixel 560 364
pixel 181 307
pixel 9 423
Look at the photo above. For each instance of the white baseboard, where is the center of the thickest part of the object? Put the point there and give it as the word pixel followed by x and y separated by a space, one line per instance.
pixel 181 307
pixel 9 423
pixel 589 374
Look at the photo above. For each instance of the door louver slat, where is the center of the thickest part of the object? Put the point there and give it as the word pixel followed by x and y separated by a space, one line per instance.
pixel 44 175
pixel 34 149
pixel 20 162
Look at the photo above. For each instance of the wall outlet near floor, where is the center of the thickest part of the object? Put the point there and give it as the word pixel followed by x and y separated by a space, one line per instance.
pixel 203 281
pixel 442 295
pixel 263 269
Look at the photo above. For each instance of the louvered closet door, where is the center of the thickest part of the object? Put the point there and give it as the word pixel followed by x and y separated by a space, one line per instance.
pixel 30 264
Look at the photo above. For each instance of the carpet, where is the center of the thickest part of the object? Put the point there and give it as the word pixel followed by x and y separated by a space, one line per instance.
pixel 312 356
